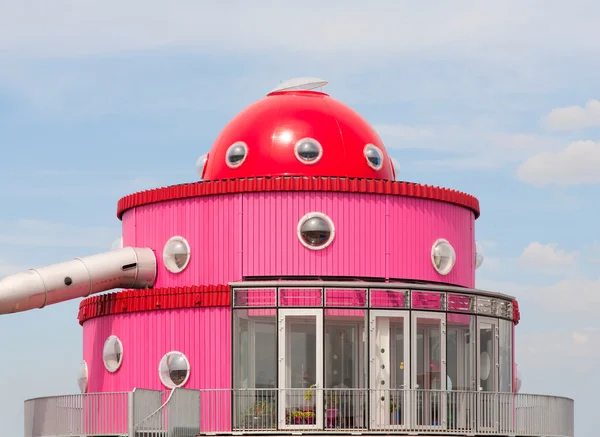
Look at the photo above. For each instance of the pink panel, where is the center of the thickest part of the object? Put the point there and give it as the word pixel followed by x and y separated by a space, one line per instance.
pixel 366 244
pixel 202 334
pixel 272 248
pixel 415 225
pixel 212 227
pixel 300 297
pixel 387 299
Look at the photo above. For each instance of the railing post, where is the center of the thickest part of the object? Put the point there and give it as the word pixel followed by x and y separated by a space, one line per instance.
pixel 130 414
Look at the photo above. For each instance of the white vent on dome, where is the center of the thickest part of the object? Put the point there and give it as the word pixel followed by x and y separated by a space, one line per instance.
pixel 300 83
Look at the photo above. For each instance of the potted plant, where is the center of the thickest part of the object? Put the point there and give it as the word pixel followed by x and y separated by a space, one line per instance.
pixel 261 415
pixel 303 417
pixel 331 401
pixel 395 413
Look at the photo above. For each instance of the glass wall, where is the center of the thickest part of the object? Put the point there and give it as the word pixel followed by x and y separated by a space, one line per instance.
pixel 255 346
pixel 460 350
pixel 505 342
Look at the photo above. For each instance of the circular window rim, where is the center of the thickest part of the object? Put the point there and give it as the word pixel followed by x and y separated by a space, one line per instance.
pixel 171 385
pixel 302 160
pixel 104 358
pixel 437 242
pixel 237 164
pixel 164 254
pixel 374 167
pixel 84 365
pixel 308 217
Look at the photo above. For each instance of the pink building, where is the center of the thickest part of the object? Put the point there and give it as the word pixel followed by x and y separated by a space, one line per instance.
pixel 299 287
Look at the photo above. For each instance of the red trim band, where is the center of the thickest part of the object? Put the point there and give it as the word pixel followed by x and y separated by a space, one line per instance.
pixel 130 301
pixel 516 312
pixel 346 185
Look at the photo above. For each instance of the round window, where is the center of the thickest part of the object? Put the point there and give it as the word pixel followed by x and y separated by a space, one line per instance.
pixel 200 164
pixel 236 154
pixel 308 151
pixel 174 369
pixel 112 354
pixel 176 254
pixel 478 255
pixel 316 231
pixel 443 256
pixel 374 156
pixel 82 379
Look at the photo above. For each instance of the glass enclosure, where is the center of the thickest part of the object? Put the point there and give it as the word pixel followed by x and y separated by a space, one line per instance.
pixel 324 358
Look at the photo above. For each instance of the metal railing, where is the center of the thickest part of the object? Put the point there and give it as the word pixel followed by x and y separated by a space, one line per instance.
pixel 188 413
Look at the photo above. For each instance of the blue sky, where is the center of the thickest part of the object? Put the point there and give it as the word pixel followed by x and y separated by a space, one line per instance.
pixel 100 99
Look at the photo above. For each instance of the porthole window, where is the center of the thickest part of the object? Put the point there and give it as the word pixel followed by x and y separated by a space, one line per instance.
pixel 479 257
pixel 82 379
pixel 443 256
pixel 308 151
pixel 236 154
pixel 176 254
pixel 374 156
pixel 112 354
pixel 316 231
pixel 174 369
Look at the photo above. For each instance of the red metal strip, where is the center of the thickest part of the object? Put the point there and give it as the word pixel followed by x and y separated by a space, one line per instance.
pixel 129 301
pixel 330 184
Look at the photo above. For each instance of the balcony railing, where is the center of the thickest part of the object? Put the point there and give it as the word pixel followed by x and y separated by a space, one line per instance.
pixel 188 413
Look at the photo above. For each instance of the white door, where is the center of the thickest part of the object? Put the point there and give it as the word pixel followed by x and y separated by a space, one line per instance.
pixel 300 369
pixel 487 373
pixel 389 369
pixel 428 397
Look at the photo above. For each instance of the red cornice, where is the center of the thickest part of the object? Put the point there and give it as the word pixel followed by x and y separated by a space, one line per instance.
pixel 331 184
pixel 516 312
pixel 130 301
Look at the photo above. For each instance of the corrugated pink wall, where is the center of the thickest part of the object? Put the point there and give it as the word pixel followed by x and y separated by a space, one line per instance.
pixel 376 236
pixel 202 334
pixel 254 234
pixel 212 227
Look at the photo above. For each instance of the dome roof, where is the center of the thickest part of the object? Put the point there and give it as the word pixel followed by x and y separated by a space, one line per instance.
pixel 297 132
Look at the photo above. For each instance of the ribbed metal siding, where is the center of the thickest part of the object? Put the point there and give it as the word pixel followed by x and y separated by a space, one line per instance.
pixel 211 225
pixel 415 225
pixel 272 248
pixel 376 236
pixel 202 334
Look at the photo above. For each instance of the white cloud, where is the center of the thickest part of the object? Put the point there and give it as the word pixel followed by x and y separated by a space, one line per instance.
pixel 66 27
pixel 577 296
pixel 575 117
pixel 41 233
pixel 547 256
pixel 475 147
pixel 579 163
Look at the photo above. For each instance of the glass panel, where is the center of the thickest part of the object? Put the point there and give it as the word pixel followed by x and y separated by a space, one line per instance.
pixel 256 297
pixel 426 300
pixel 398 362
pixel 428 370
pixel 337 297
pixel 460 302
pixel 301 369
pixel 300 297
pixel 505 356
pixel 460 370
pixel 487 357
pixel 344 368
pixel 255 368
pixel 388 299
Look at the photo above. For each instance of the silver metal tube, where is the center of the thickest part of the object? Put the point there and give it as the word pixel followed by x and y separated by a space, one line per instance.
pixel 128 267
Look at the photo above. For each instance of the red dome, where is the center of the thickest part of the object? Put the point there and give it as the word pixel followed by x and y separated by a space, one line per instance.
pixel 282 134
